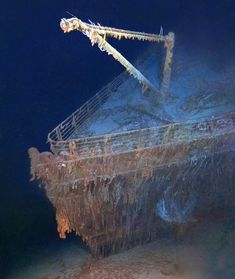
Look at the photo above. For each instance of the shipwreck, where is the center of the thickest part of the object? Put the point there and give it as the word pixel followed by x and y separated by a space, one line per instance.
pixel 135 158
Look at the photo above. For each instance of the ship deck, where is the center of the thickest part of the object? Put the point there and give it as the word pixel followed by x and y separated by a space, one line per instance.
pixel 120 118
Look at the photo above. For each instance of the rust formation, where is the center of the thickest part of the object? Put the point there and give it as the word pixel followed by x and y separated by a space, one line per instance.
pixel 98 35
pixel 110 199
pixel 118 190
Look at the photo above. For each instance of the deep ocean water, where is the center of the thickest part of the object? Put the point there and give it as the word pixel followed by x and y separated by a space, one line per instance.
pixel 46 75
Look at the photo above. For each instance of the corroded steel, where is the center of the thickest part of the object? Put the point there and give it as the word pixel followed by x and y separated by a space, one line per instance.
pixel 71 24
pixel 98 34
pixel 169 45
pixel 118 190
pixel 110 200
pixel 143 138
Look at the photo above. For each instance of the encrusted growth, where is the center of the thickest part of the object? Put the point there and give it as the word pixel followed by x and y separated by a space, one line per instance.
pixel 120 189
pixel 115 201
pixel 98 34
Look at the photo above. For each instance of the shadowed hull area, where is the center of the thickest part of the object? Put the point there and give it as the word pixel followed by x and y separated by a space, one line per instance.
pixel 116 202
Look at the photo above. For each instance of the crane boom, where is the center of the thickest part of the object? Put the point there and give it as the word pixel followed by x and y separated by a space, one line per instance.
pixel 98 34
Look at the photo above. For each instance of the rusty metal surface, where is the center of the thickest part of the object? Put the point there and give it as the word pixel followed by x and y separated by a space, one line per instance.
pixel 173 133
pixel 110 200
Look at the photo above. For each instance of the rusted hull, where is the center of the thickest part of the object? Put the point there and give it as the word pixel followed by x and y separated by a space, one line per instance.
pixel 110 201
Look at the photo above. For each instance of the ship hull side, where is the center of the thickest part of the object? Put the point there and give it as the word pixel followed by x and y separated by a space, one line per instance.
pixel 111 201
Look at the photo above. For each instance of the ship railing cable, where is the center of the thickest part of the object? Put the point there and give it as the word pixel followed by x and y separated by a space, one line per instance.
pixel 73 123
pixel 133 140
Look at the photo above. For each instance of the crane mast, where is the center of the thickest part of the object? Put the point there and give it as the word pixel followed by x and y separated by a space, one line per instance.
pixel 98 35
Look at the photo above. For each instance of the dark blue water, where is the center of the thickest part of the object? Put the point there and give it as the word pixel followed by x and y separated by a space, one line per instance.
pixel 45 75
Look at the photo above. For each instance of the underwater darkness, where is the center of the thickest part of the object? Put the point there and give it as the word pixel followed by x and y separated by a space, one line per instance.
pixel 46 75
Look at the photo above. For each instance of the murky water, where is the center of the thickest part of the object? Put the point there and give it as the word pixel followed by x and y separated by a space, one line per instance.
pixel 60 259
pixel 206 250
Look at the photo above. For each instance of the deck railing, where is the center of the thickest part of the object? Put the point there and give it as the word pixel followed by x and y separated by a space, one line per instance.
pixel 73 123
pixel 133 140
